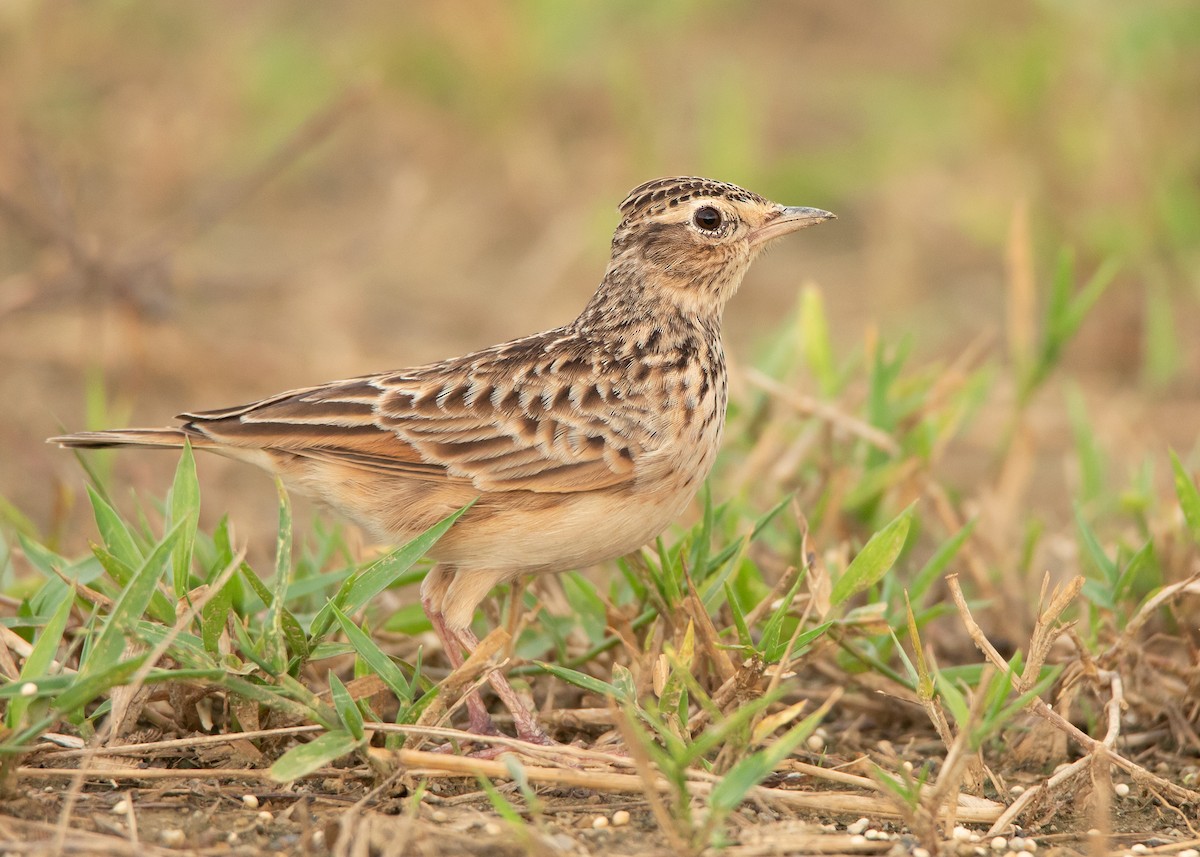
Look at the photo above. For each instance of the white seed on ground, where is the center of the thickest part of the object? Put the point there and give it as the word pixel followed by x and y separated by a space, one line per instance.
pixel 858 826
pixel 961 834
pixel 980 851
pixel 1017 790
pixel 920 852
pixel 599 822
pixel 121 807
pixel 29 689
pixel 1030 845
pixel 1017 843
pixel 204 713
pixel 859 839
pixel 492 829
pixel 815 743
pixel 232 838
pixel 620 818
pixel 264 817
pixel 172 837
pixel 250 801
pixel 440 816
pixel 907 765
pixel 1122 789
pixel 999 843
pixel 873 834
pixel 318 838
pixel 1139 848
pixel 1024 854
pixel 1188 852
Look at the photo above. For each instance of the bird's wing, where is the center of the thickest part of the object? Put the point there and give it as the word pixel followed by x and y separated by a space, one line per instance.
pixel 519 417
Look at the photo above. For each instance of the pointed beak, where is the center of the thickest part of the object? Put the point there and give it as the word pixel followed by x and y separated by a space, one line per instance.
pixel 789 219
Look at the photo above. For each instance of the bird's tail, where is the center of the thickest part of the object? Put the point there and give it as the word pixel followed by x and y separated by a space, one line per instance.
pixel 145 438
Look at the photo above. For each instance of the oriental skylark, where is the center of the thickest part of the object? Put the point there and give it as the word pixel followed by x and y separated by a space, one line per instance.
pixel 579 444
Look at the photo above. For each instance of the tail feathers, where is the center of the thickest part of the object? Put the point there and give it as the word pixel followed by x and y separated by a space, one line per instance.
pixel 145 438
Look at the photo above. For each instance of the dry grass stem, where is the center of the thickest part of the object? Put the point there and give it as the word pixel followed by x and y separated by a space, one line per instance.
pixel 1040 708
pixel 822 410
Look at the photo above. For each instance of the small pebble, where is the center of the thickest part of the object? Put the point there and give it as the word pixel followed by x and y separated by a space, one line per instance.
pixel 172 837
pixel 232 838
pixel 1093 831
pixel 961 834
pixel 599 822
pixel 920 852
pixel 1138 848
pixel 859 839
pixel 1122 789
pixel 29 689
pixel 250 801
pixel 999 843
pixel 492 829
pixel 1188 852
pixel 264 817
pixel 121 807
pixel 858 826
pixel 620 818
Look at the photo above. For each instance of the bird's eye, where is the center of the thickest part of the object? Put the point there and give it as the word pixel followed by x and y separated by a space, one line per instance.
pixel 707 218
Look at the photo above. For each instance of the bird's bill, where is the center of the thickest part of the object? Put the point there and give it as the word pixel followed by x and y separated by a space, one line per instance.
pixel 789 219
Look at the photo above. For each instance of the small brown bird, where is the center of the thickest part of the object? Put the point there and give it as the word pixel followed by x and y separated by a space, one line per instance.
pixel 579 444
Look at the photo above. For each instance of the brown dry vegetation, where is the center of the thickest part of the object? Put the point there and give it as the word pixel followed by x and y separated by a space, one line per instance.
pixel 206 203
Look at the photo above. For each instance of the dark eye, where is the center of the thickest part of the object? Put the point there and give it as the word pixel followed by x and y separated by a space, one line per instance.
pixel 707 218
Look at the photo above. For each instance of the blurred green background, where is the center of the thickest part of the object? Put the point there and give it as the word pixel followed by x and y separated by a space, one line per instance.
pixel 203 203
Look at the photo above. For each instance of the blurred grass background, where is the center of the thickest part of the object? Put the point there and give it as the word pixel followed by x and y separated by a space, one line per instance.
pixel 205 203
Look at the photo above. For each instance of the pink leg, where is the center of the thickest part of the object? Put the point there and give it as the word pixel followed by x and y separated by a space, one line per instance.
pixel 478 719
pixel 525 721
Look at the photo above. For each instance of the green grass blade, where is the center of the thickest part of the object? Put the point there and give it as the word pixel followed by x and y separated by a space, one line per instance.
pixel 379 575
pixel 874 560
pixel 310 757
pixel 130 605
pixel 586 682
pixel 183 506
pixel 933 569
pixel 160 606
pixel 346 707
pixel 87 687
pixel 750 771
pixel 375 658
pixel 1188 494
pixel 117 537
pixel 274 643
pixel 37 664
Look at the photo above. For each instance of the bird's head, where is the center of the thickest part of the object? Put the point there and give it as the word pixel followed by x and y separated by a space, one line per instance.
pixel 695 238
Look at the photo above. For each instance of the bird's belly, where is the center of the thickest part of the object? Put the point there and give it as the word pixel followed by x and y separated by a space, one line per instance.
pixel 557 532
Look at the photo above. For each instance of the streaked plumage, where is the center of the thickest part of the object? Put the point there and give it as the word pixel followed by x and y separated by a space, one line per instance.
pixel 581 443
